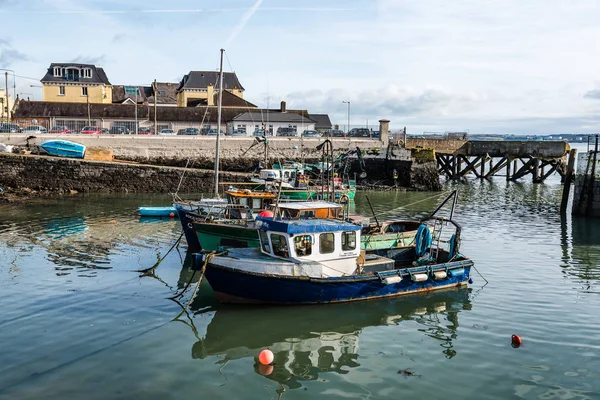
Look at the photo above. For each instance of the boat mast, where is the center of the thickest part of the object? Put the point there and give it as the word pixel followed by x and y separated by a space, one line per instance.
pixel 219 125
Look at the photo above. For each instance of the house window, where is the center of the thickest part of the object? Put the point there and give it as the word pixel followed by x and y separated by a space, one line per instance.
pixel 84 91
pixel 303 245
pixel 326 245
pixel 280 247
pixel 61 90
pixel 264 241
pixel 348 240
pixel 87 73
pixel 57 71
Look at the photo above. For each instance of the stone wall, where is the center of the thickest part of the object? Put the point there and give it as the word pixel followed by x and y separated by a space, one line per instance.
pixel 60 175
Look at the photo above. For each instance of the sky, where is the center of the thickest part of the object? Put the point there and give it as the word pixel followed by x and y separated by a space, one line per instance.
pixel 482 66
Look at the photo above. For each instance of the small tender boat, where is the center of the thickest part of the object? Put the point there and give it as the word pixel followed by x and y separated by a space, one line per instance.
pixel 63 148
pixel 157 211
pixel 320 261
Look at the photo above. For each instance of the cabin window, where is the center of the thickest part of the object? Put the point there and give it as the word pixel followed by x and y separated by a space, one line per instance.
pixel 264 240
pixel 243 202
pixel 326 244
pixel 348 240
pixel 307 214
pixel 280 247
pixel 256 203
pixel 303 245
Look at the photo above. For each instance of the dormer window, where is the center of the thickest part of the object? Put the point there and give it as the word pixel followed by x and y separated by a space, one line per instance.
pixel 87 72
pixel 57 71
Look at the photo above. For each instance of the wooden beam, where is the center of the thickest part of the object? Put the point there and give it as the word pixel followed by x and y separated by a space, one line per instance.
pixel 470 167
pixel 496 168
pixel 568 178
pixel 524 170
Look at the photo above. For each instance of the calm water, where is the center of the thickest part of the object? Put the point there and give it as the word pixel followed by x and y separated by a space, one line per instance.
pixel 77 321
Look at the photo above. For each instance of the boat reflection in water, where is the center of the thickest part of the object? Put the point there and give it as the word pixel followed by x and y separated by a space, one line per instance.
pixel 308 340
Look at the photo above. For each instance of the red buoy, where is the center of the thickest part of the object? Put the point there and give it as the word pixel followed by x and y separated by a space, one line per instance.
pixel 265 357
pixel 516 341
pixel 266 214
pixel 172 215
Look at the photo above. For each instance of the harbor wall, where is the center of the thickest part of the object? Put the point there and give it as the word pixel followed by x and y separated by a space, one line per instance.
pixel 62 175
pixel 586 196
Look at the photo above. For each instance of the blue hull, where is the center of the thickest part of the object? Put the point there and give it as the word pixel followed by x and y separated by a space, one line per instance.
pixel 233 286
pixel 63 148
pixel 157 211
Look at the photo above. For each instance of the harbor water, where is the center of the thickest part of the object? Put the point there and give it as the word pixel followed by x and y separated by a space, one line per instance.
pixel 78 321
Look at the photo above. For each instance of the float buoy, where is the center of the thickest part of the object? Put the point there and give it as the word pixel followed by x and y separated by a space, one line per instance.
pixel 266 214
pixel 172 215
pixel 265 357
pixel 516 341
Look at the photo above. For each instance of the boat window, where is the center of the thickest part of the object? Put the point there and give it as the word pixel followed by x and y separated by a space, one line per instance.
pixel 264 240
pixel 280 247
pixel 326 243
pixel 348 240
pixel 303 245
pixel 256 203
pixel 307 214
pixel 243 201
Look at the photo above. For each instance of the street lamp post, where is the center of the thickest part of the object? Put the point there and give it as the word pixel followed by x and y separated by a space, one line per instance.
pixel 348 126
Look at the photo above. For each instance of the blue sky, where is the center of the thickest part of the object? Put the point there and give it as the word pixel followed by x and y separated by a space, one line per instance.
pixel 479 65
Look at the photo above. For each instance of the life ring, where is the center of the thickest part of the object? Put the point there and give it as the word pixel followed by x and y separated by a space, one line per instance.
pixel 422 240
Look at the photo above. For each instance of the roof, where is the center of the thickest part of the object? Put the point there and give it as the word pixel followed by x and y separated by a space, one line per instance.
pixel 308 205
pixel 231 100
pixel 201 80
pixel 44 109
pixel 322 121
pixel 304 225
pixel 272 116
pixel 166 94
pixel 98 74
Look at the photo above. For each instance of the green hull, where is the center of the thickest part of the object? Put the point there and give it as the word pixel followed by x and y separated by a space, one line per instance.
pixel 212 236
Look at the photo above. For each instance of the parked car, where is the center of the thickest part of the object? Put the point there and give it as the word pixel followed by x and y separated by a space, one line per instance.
pixel 238 133
pixel 213 132
pixel 189 131
pixel 35 129
pixel 375 134
pixel 286 132
pixel 9 128
pixel 91 130
pixel 336 133
pixel 311 134
pixel 359 132
pixel 59 129
pixel 144 131
pixel 119 130
pixel 166 132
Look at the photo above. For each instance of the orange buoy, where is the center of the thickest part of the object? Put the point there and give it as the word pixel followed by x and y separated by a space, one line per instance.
pixel 266 214
pixel 266 357
pixel 265 370
pixel 172 215
pixel 516 341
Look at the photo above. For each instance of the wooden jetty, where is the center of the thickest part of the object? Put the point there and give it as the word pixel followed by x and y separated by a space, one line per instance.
pixel 485 159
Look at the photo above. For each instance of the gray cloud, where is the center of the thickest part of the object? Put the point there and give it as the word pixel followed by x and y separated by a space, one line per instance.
pixel 592 94
pixel 96 60
pixel 9 55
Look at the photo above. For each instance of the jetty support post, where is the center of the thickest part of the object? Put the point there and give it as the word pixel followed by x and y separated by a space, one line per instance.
pixel 568 179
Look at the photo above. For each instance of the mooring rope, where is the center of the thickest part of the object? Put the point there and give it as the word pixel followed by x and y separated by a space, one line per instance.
pixel 145 271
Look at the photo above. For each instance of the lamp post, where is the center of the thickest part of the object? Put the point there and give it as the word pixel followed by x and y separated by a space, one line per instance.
pixel 348 128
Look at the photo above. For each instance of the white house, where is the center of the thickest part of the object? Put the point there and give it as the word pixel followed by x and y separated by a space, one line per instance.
pixel 271 121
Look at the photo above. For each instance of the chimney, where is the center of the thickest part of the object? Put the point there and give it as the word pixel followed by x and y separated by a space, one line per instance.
pixel 283 106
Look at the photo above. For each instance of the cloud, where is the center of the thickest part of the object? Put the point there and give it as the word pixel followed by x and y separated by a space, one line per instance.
pixel 9 55
pixel 96 60
pixel 592 94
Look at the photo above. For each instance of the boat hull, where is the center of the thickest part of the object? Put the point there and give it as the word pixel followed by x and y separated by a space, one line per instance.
pixel 235 286
pixel 213 236
pixel 63 148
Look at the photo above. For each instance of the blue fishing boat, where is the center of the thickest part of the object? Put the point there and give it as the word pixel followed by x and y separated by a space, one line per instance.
pixel 320 261
pixel 63 148
pixel 157 212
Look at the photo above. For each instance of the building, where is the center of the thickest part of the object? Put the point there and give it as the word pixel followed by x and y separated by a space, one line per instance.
pixel 199 88
pixel 322 122
pixel 271 121
pixel 4 101
pixel 76 83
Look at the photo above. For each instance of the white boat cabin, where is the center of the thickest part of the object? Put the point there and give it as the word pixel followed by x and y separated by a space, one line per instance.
pixel 317 247
pixel 310 209
pixel 290 177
